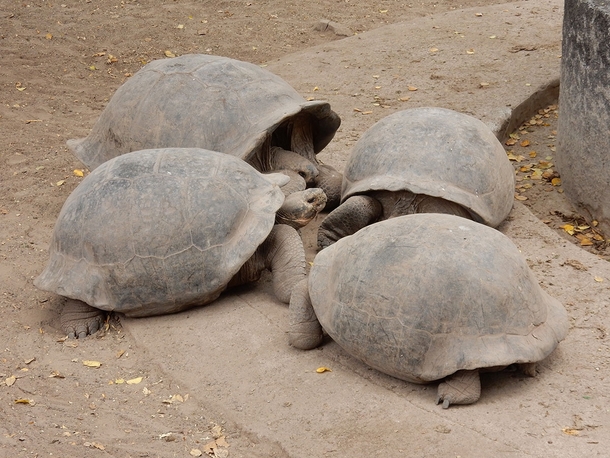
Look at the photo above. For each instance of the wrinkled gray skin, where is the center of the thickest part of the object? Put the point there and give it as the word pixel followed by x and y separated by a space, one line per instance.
pixel 221 104
pixel 160 231
pixel 422 160
pixel 428 297
pixel 361 210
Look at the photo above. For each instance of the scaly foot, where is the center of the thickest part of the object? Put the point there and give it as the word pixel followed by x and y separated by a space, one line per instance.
pixel 80 320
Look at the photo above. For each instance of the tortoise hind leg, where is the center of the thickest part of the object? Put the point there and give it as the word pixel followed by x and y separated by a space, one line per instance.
pixel 80 320
pixel 463 387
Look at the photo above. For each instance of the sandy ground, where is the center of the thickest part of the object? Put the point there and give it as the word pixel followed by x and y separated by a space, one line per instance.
pixel 221 380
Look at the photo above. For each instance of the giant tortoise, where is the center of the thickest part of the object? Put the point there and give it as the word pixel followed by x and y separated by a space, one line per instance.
pixel 159 231
pixel 423 160
pixel 220 104
pixel 427 297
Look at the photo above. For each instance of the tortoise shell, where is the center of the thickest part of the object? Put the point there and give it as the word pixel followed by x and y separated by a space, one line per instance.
pixel 437 152
pixel 203 101
pixel 422 296
pixel 157 231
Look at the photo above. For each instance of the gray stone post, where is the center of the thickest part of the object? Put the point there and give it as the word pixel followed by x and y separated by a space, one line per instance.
pixel 583 134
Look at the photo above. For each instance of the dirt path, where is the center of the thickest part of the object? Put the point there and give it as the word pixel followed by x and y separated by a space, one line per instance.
pixel 60 65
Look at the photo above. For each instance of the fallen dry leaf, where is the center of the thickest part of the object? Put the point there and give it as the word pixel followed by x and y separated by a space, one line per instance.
pixel 319 370
pixel 30 402
pixel 599 279
pixel 78 173
pixel 10 381
pixel 134 381
pixel 571 431
pixel 584 240
pixel 169 54
pixel 92 363
pixel 568 228
pixel 556 181
pixel 525 143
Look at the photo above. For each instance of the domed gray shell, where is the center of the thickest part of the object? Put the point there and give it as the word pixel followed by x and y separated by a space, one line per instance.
pixel 156 231
pixel 437 152
pixel 202 101
pixel 422 296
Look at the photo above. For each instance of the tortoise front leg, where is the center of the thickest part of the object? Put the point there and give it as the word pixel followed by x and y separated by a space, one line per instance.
pixel 351 216
pixel 305 331
pixel 463 387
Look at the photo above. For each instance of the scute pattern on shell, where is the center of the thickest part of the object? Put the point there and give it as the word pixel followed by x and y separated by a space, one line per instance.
pixel 202 101
pixel 422 296
pixel 155 231
pixel 437 152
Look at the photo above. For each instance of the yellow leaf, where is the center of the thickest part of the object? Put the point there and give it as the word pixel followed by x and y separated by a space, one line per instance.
pixel 169 54
pixel 470 51
pixel 48 36
pixel 10 380
pixel 594 223
pixel 412 88
pixel 30 402
pixel 556 181
pixel 134 381
pixel 316 88
pixel 568 228
pixel 533 153
pixel 78 173
pixel 319 370
pixel 119 381
pixel 21 89
pixel 92 67
pixel 60 182
pixel 525 143
pixel 383 11
pixel 571 431
pixel 92 363
pixel 585 241
pixel 599 279
pixel 510 142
